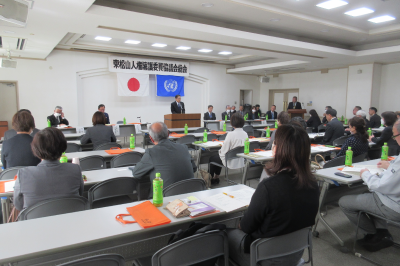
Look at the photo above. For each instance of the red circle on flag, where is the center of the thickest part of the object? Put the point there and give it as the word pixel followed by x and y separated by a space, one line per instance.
pixel 133 84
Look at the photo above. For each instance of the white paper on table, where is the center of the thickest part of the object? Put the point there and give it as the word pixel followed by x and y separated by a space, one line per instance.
pixel 212 144
pixel 321 149
pixel 138 128
pixel 225 202
pixel 63 126
pixel 263 122
pixel 259 139
pixel 264 153
pixel 80 130
pixel 9 186
pixel 373 169
pixel 116 130
pixel 242 195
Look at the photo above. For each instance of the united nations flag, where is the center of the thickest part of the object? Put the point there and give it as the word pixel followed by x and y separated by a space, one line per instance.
pixel 169 86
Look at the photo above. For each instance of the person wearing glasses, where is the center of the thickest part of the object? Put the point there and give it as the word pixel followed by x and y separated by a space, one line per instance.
pixel 384 201
pixel 389 119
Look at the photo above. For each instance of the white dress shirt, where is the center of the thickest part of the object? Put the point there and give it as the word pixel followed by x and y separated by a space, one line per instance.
pixel 234 139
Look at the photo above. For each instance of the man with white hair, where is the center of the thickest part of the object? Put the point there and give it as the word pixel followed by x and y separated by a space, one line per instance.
pixel 227 113
pixel 58 118
pixel 363 114
pixel 170 159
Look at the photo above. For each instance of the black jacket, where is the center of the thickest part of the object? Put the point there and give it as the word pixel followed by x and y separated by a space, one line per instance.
pixel 98 134
pixel 386 136
pixel 17 151
pixel 375 121
pixel 298 105
pixel 367 124
pixel 227 114
pixel 324 120
pixel 334 130
pixel 176 110
pixel 207 116
pixel 314 122
pixel 107 118
pixel 55 121
pixel 269 114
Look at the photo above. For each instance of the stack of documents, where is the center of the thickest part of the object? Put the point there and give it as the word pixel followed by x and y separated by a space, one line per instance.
pixel 232 200
pixel 261 154
pixel 200 208
pixel 373 169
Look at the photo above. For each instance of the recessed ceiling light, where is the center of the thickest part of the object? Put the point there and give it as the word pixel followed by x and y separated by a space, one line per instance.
pixel 381 19
pixel 205 50
pixel 207 4
pixel 359 12
pixel 332 4
pixel 102 38
pixel 225 53
pixel 183 48
pixel 132 42
pixel 274 19
pixel 159 45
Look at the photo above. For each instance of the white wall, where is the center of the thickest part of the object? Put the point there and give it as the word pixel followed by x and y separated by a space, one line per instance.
pixel 79 81
pixel 321 89
pixel 390 88
pixel 8 102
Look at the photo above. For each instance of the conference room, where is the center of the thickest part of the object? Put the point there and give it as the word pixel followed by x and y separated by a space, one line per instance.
pixel 218 132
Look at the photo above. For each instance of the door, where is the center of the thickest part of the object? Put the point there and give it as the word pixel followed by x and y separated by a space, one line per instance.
pixel 246 97
pixel 278 100
pixel 8 104
pixel 281 98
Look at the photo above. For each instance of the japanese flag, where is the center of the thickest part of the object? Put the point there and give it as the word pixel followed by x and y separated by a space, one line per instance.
pixel 133 84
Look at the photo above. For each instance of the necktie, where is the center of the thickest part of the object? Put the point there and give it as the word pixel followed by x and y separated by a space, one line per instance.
pixel 179 105
pixel 209 114
pixel 272 115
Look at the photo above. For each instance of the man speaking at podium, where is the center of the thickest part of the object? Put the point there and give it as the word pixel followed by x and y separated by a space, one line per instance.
pixel 177 107
pixel 294 104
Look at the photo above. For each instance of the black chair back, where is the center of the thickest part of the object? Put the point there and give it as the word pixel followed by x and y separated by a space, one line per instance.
pixel 338 161
pixel 107 146
pixel 249 130
pixel 120 122
pixel 188 139
pixel 321 128
pixel 340 141
pixel 185 186
pixel 222 137
pixel 10 173
pixel 94 162
pixel 254 145
pixel 360 158
pixel 98 260
pixel 201 130
pixel 126 159
pixel 210 137
pixel 72 147
pixel 55 206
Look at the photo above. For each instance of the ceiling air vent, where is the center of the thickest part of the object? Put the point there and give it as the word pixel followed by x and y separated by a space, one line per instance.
pixel 12 43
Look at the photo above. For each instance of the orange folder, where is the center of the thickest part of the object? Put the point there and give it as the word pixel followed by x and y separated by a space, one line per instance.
pixel 176 135
pixel 2 188
pixel 145 214
pixel 218 132
pixel 117 150
pixel 271 129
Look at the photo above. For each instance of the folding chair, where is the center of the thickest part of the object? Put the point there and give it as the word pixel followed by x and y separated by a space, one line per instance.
pixel 185 186
pixel 230 155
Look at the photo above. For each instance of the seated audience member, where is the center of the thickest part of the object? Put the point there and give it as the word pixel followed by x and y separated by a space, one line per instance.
pixel 209 115
pixel 324 120
pixel 58 118
pixel 170 159
pixel 241 112
pixel 285 202
pixel 11 133
pixel 17 150
pixel 283 119
pixel 314 120
pixel 300 121
pixel 272 114
pixel 363 114
pixel 227 113
pixel 384 200
pixel 258 111
pixel 358 141
pixel 398 114
pixel 233 109
pixel 234 139
pixel 334 128
pixel 253 113
pixel 389 118
pixel 102 108
pixel 99 133
pixel 374 118
pixel 356 109
pixel 50 179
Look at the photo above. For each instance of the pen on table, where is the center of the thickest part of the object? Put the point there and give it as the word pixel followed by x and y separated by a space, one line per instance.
pixel 228 195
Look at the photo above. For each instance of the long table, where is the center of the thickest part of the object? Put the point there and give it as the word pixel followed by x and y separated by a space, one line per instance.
pixel 57 239
pixel 102 153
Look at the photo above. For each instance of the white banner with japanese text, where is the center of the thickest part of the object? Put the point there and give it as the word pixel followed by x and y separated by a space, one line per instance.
pixel 147 66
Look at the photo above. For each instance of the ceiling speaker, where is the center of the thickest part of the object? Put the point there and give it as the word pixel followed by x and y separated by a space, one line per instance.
pixel 8 63
pixel 264 79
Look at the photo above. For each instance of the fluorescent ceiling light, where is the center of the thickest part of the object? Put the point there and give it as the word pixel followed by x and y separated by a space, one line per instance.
pixel 159 45
pixel 101 38
pixel 359 12
pixel 332 4
pixel 132 42
pixel 205 50
pixel 381 19
pixel 225 53
pixel 183 48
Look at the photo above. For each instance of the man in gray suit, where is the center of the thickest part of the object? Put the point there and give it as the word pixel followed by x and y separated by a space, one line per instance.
pixel 12 133
pixel 171 160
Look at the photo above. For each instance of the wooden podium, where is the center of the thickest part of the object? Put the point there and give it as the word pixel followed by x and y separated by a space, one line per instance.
pixel 179 120
pixel 296 112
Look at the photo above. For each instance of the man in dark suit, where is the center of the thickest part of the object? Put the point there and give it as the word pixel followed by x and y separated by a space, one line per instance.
pixel 58 118
pixel 209 115
pixel 324 120
pixel 374 118
pixel 102 108
pixel 165 158
pixel 227 113
pixel 240 111
pixel 334 129
pixel 177 107
pixel 356 109
pixel 258 111
pixel 294 104
pixel 11 133
pixel 233 109
pixel 272 114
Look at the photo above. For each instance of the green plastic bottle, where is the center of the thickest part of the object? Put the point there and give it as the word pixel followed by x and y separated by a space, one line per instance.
pixel 369 132
pixel 345 121
pixel 247 146
pixel 186 129
pixel 276 123
pixel 63 158
pixel 266 117
pixel 382 125
pixel 158 191
pixel 124 121
pixel 268 132
pixel 205 136
pixel 226 117
pixel 349 157
pixel 245 117
pixel 48 123
pixel 224 127
pixel 342 118
pixel 132 142
pixel 385 152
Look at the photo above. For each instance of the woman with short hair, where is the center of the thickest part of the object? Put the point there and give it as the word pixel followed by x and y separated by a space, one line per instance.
pixel 17 151
pixel 50 179
pixel 285 202
pixel 358 141
pixel 99 133
pixel 314 121
pixel 389 119
pixel 234 139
